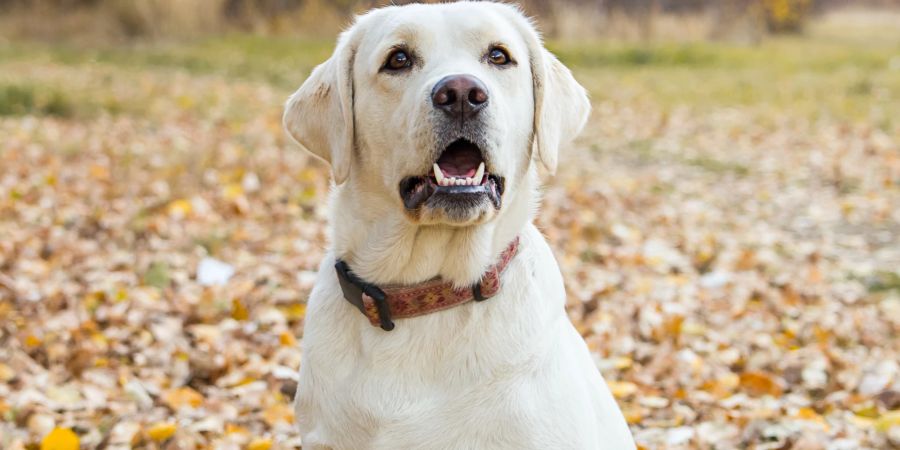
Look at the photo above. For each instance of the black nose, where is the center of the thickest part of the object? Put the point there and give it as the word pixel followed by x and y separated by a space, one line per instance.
pixel 459 95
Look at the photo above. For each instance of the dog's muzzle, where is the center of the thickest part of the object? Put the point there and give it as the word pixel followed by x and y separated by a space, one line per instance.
pixel 458 179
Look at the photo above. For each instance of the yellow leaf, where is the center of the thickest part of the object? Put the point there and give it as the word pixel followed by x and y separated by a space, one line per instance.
pixel 633 416
pixel 231 428
pixel 888 420
pixel 760 383
pixel 622 362
pixel 244 381
pixel 180 208
pixel 622 389
pixel 861 422
pixel 869 411
pixel 60 439
pixel 185 102
pixel 723 386
pixel 811 415
pixel 32 341
pixel 287 339
pixel 239 311
pixel 161 431
pixel 233 191
pixel 296 311
pixel 181 397
pixel 260 444
pixel 276 413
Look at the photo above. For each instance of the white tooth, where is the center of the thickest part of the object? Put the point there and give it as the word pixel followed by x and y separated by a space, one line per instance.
pixel 479 174
pixel 460 182
pixel 445 182
pixel 438 174
pixel 451 181
pixel 469 181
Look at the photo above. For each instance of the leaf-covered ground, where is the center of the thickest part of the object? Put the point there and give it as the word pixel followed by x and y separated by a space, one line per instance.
pixel 728 226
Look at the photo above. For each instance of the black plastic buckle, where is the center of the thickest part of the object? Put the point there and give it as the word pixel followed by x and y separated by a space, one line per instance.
pixel 354 288
pixel 476 293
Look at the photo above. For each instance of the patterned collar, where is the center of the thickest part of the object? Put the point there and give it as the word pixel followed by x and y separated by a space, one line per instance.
pixel 382 305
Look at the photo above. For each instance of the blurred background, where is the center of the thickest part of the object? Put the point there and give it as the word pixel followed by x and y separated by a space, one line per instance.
pixel 727 224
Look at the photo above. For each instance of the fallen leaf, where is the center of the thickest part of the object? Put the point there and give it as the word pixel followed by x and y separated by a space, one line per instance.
pixel 888 420
pixel 759 384
pixel 161 431
pixel 622 389
pixel 260 444
pixel 287 339
pixel 180 208
pixel 238 310
pixel 213 272
pixel 60 439
pixel 181 397
pixel 278 412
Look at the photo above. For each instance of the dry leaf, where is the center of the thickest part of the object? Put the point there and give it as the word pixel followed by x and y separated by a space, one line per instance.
pixel 622 389
pixel 278 412
pixel 238 310
pixel 260 444
pixel 181 397
pixel 888 420
pixel 161 431
pixel 60 439
pixel 759 384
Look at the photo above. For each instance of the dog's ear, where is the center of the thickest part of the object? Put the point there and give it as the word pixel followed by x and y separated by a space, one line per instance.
pixel 319 116
pixel 561 105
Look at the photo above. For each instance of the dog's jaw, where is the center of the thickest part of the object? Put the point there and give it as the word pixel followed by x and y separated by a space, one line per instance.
pixel 386 247
pixel 458 189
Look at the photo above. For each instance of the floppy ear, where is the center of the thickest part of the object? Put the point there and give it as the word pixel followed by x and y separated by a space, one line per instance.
pixel 561 106
pixel 319 116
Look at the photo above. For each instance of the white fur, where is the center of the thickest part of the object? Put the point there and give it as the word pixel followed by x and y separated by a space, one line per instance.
pixel 510 372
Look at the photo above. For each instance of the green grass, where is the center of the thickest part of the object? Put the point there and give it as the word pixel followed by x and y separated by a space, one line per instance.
pixel 806 77
pixel 277 60
pixel 22 99
pixel 824 76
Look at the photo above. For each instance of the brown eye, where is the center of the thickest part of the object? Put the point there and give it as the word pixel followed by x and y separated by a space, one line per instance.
pixel 498 56
pixel 398 60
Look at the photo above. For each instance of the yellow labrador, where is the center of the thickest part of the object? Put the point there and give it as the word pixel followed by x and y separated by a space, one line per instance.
pixel 437 319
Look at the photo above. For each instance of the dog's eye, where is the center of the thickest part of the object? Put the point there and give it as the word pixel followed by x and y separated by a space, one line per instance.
pixel 498 56
pixel 398 60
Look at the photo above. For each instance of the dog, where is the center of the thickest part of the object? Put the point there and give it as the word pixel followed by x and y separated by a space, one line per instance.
pixel 437 318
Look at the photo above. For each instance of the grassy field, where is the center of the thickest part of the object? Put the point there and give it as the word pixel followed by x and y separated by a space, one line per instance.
pixel 728 226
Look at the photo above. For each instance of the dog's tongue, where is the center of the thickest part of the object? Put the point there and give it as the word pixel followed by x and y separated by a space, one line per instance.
pixel 461 159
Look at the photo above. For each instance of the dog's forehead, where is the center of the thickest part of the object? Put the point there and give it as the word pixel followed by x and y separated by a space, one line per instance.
pixel 443 26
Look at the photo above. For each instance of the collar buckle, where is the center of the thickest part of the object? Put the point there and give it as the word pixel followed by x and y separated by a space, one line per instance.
pixel 476 293
pixel 354 288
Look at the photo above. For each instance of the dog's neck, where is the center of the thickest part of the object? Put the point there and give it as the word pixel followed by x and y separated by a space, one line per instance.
pixel 372 233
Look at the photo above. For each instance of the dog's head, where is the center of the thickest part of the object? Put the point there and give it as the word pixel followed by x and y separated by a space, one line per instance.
pixel 442 107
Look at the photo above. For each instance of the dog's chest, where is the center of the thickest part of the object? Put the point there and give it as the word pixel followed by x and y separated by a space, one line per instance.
pixel 477 369
pixel 455 390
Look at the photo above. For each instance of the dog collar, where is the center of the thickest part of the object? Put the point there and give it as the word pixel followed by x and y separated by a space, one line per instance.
pixel 382 305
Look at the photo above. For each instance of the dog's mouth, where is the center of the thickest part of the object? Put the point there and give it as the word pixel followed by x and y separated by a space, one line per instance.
pixel 459 178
